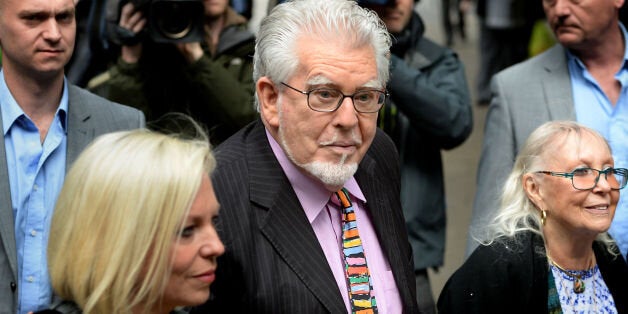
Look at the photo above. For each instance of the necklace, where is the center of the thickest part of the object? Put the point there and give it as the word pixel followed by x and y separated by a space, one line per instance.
pixel 578 283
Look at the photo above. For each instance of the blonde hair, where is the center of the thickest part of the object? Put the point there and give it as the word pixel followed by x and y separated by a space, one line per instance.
pixel 123 203
pixel 517 212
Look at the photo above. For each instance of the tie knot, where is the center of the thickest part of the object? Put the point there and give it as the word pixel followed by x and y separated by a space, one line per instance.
pixel 341 198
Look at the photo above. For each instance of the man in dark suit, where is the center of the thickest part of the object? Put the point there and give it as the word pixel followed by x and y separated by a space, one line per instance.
pixel 320 71
pixel 46 122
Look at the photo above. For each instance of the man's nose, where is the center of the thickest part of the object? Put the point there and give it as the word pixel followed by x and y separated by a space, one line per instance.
pixel 52 31
pixel 562 7
pixel 346 115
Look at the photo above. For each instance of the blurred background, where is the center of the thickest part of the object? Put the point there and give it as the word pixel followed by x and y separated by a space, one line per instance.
pixel 460 163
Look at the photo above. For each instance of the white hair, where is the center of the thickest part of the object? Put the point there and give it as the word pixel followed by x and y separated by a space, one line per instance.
pixel 517 212
pixel 343 20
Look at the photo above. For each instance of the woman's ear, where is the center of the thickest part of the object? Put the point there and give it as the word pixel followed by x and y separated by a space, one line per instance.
pixel 268 97
pixel 532 189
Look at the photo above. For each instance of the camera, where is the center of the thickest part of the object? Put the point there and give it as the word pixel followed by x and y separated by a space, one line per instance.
pixel 167 21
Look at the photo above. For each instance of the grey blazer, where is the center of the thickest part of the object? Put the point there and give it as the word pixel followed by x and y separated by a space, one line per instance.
pixel 525 96
pixel 273 261
pixel 88 116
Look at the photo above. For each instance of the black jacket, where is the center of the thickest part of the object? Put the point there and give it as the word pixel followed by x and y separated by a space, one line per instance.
pixel 510 276
pixel 273 261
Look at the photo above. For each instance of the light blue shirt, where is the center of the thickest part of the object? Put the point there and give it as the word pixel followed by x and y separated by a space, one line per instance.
pixel 595 110
pixel 36 174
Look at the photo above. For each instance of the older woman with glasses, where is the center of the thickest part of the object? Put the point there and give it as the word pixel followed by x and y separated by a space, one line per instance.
pixel 547 250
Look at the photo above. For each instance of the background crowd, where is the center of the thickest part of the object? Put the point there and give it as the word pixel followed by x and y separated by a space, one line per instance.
pixel 532 62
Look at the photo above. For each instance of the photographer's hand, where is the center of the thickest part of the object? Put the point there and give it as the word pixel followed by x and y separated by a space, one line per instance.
pixel 134 21
pixel 190 51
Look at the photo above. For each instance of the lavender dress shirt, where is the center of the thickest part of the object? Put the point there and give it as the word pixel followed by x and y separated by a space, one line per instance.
pixel 325 219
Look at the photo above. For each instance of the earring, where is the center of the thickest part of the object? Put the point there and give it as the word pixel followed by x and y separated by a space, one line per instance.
pixel 543 217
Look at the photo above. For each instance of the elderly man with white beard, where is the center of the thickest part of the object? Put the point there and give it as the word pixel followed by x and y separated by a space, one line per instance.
pixel 312 219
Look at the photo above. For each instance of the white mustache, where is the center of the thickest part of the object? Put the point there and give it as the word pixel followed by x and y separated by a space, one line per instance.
pixel 355 140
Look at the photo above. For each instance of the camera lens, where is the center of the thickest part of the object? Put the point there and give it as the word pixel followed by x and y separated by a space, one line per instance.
pixel 176 21
pixel 173 19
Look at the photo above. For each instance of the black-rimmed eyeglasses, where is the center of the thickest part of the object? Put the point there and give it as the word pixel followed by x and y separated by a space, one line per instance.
pixel 330 99
pixel 587 178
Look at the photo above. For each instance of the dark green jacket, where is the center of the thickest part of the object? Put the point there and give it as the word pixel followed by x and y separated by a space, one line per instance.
pixel 216 90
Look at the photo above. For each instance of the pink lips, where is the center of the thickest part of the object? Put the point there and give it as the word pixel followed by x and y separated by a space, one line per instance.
pixel 564 27
pixel 343 148
pixel 600 209
pixel 207 277
pixel 51 52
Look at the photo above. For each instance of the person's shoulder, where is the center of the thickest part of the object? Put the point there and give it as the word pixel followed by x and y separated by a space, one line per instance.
pixel 62 307
pixel 535 65
pixel 235 147
pixel 236 39
pixel 382 158
pixel 506 248
pixel 496 276
pixel 502 258
pixel 81 97
pixel 82 104
pixel 433 50
pixel 242 154
pixel 382 145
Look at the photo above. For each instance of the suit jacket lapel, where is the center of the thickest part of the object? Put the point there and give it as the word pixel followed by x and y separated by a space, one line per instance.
pixel 7 232
pixel 557 85
pixel 380 207
pixel 79 132
pixel 286 226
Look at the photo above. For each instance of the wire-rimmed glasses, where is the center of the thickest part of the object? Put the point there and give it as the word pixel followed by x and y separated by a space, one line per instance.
pixel 330 99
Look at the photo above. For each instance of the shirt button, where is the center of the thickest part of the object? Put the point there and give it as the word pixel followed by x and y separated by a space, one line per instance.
pixel 30 279
pixel 35 187
pixel 33 233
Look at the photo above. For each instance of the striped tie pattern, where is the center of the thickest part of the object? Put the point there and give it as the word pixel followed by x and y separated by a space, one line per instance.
pixel 359 283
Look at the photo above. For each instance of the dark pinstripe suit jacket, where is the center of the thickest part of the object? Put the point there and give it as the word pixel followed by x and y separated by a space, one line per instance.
pixel 273 261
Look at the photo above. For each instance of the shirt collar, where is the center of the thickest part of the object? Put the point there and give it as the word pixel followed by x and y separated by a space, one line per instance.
pixel 311 193
pixel 11 111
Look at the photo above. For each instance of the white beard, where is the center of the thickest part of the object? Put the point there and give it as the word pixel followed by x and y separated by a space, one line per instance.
pixel 331 174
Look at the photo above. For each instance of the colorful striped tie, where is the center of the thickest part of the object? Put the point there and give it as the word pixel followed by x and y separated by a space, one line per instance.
pixel 359 284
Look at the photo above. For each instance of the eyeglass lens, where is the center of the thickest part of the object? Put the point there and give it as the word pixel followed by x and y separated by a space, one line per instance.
pixel 329 99
pixel 587 178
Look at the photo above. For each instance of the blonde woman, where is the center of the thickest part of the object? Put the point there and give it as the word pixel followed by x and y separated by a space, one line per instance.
pixel 133 230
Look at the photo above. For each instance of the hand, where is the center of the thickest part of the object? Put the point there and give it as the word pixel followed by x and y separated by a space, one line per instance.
pixel 190 51
pixel 134 21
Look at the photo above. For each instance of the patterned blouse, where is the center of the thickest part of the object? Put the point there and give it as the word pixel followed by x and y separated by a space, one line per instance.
pixel 596 298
